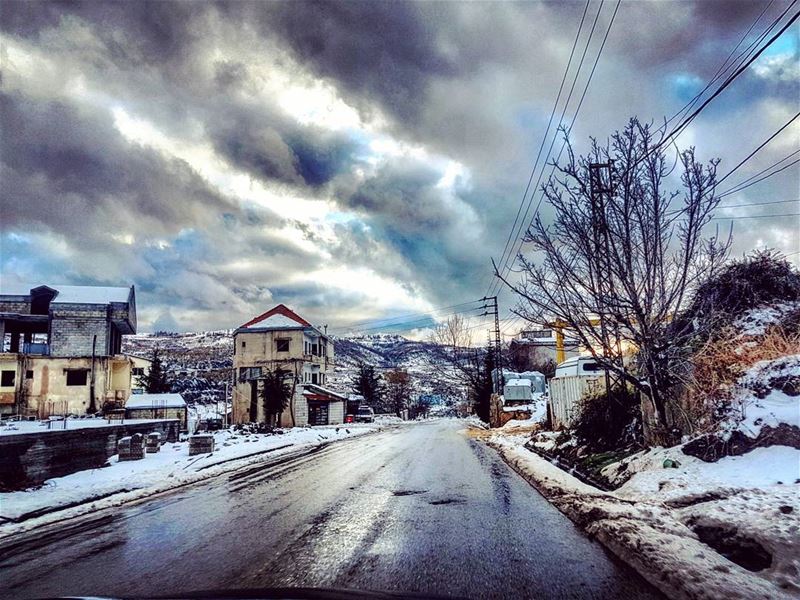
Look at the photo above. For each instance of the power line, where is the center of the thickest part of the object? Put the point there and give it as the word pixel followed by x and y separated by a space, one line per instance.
pixel 514 233
pixel 417 323
pixel 758 203
pixel 546 133
pixel 505 266
pixel 754 217
pixel 741 187
pixel 764 143
pixel 724 67
pixel 762 171
pixel 407 316
pixel 731 78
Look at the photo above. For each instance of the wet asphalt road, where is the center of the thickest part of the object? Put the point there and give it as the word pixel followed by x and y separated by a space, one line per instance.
pixel 420 508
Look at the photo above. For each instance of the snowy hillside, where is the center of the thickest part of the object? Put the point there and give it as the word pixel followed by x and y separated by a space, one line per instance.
pixel 199 362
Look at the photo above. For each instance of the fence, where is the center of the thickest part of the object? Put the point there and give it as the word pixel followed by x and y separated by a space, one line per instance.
pixel 565 397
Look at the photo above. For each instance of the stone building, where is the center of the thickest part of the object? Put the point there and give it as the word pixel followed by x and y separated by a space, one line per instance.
pixel 61 349
pixel 280 338
pixel 157 406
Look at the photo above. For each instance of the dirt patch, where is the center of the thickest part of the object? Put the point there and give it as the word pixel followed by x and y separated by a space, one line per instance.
pixel 710 448
pixel 685 501
pixel 743 551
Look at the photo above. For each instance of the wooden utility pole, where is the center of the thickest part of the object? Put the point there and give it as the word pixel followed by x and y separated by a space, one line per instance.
pixel 600 187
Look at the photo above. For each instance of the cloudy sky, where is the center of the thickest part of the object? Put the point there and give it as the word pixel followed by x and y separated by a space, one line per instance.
pixel 352 160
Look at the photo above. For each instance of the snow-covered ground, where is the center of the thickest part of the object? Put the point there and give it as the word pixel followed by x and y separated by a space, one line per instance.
pixel 20 427
pixel 119 482
pixel 674 525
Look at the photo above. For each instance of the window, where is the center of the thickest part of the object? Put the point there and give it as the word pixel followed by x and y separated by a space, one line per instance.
pixel 282 345
pixel 76 376
pixel 7 378
pixel 137 371
pixel 591 367
pixel 314 378
pixel 28 374
pixel 244 344
pixel 247 373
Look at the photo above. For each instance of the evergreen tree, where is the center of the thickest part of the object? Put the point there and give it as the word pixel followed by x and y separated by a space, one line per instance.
pixel 155 380
pixel 484 386
pixel 276 393
pixel 368 383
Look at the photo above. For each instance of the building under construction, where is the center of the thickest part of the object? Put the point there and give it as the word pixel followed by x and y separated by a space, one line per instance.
pixel 61 349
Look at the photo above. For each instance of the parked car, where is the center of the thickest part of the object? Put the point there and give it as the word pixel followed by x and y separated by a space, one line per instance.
pixel 365 414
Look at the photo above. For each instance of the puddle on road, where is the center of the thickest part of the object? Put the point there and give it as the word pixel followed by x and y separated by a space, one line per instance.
pixel 407 492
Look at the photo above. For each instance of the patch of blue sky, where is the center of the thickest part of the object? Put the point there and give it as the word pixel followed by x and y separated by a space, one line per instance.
pixel 337 216
pixel 788 43
pixel 685 86
pixel 28 261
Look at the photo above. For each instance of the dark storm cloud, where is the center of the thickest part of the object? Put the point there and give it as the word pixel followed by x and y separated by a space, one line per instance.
pixel 471 82
pixel 63 166
pixel 273 147
pixel 383 50
pixel 135 33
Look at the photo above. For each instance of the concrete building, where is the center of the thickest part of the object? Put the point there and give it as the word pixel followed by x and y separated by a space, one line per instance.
pixel 60 350
pixel 140 367
pixel 157 406
pixel 280 338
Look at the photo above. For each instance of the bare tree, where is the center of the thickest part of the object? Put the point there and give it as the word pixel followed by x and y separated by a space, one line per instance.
pixel 399 389
pixel 620 259
pixel 454 351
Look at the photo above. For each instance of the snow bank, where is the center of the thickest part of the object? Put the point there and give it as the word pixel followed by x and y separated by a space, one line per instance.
pixel 674 525
pixel 776 406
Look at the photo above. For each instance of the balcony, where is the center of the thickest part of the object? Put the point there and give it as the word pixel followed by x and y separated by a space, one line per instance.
pixel 36 348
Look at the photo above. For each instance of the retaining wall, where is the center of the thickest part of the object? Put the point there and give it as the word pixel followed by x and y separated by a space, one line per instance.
pixel 28 459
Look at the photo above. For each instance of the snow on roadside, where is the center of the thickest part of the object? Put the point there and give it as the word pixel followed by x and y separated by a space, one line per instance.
pixel 648 523
pixel 172 467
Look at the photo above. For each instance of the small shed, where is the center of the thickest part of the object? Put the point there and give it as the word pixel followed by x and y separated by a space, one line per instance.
pixel 157 406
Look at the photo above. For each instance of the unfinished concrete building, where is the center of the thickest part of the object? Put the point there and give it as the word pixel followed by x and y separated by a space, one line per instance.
pixel 61 349
pixel 280 338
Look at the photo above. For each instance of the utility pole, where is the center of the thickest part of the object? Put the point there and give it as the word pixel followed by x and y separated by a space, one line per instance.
pixel 601 188
pixel 492 309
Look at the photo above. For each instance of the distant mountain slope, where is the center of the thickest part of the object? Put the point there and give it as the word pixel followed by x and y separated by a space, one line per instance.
pixel 200 362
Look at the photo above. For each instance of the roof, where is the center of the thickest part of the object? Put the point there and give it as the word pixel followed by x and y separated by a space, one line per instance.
pixel 279 317
pixel 71 294
pixel 518 383
pixel 156 401
pixel 314 389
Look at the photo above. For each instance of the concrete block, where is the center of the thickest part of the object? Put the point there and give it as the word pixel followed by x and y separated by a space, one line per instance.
pixel 153 443
pixel 201 444
pixel 131 447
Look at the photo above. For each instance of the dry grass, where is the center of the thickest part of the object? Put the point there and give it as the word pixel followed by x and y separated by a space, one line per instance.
pixel 718 366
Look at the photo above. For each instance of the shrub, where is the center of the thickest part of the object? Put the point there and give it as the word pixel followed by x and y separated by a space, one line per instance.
pixel 609 422
pixel 764 277
pixel 717 367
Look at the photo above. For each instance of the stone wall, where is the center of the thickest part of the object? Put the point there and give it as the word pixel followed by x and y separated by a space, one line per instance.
pixel 29 459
